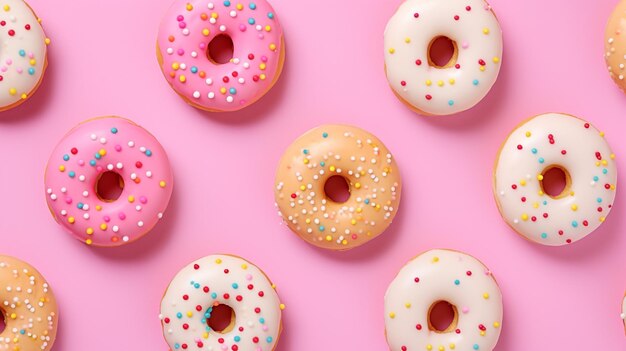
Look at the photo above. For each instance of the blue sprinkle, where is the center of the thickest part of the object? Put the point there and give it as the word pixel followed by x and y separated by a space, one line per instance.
pixel 322 163
pixel 325 135
pixel 544 235
pixel 66 157
pixel 541 160
pixel 475 346
pixel 114 130
pixel 233 91
pixel 179 315
pixel 226 3
pixel 270 15
pixel 322 228
pixel 252 6
pixel 545 202
pixel 306 152
pixel 22 331
pixel 72 174
pixel 269 339
pixel 196 285
pixel 599 200
pixel 251 20
pixel 574 224
pixel 31 71
pixel 595 178
pixel 475 82
pixel 148 153
pixel 605 171
pixel 176 346
pixel 97 156
pixel 92 162
pixel 367 201
pixel 22 53
pixel 214 295
pixel 237 338
pixel 194 69
pixel 534 151
pixel 80 205
pixel 235 286
pixel 262 320
pixel 451 102
pixel 457 282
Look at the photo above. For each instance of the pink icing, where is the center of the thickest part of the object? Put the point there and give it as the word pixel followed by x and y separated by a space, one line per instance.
pixel 185 33
pixel 87 151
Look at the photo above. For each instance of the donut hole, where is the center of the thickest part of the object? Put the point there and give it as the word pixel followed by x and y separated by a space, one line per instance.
pixel 442 317
pixel 337 189
pixel 3 320
pixel 556 181
pixel 109 186
pixel 222 319
pixel 442 52
pixel 221 49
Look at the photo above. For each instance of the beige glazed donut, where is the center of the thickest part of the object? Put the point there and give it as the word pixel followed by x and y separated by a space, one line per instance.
pixel 28 307
pixel 615 45
pixel 367 167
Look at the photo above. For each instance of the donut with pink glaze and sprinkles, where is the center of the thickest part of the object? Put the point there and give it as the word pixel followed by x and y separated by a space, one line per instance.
pixel 186 34
pixel 108 182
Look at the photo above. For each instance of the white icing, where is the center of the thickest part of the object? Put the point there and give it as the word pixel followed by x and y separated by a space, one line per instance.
pixel 432 277
pixel 478 37
pixel 23 54
pixel 587 158
pixel 623 315
pixel 257 318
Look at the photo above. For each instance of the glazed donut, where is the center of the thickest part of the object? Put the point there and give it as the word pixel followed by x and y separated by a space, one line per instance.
pixel 108 148
pixel 185 35
pixel 460 84
pixel 23 59
pixel 201 286
pixel 443 276
pixel 615 45
pixel 28 306
pixel 623 315
pixel 369 170
pixel 575 148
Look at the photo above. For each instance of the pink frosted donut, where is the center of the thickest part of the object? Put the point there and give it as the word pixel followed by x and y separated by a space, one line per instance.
pixel 183 50
pixel 108 181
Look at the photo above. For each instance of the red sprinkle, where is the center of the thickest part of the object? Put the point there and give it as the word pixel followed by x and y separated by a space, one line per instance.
pixel 563 152
pixel 196 266
pixel 481 62
pixel 417 280
pixel 469 273
pixel 74 151
pixel 428 97
pixel 250 57
pixel 11 32
pixel 138 164
pixel 416 15
pixel 27 27
pixel 586 124
pixel 418 327
pixel 418 62
pixel 456 18
pixel 519 147
pixel 468 8
pixel 403 83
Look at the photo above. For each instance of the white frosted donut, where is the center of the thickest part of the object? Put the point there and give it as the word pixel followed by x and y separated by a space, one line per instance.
pixel 580 151
pixel 443 276
pixel 221 280
pixel 467 78
pixel 623 315
pixel 23 57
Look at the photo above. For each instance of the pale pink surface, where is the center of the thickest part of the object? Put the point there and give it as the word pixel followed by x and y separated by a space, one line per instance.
pixel 102 62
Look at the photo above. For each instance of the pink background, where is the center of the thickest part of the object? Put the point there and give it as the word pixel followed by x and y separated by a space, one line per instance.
pixel 102 62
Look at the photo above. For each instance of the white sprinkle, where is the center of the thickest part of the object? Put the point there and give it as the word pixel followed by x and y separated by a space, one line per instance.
pixel 194 54
pixel 115 229
pixel 212 20
pixel 85 193
pixel 183 66
pixel 160 215
pixel 233 13
pixel 140 224
pixel 63 190
pixel 223 28
pixel 211 95
pixel 170 51
pixel 110 167
pixel 242 80
pixel 229 99
pixel 196 94
pixel 49 191
pixel 246 65
pixel 125 238
pixel 63 213
pixel 142 149
pixel 86 216
pixel 149 174
pixel 131 143
pixel 186 31
pixel 258 27
pixel 209 81
pixel 119 165
pixel 103 140
pixel 93 137
pixel 211 6
pixel 81 178
pixel 53 197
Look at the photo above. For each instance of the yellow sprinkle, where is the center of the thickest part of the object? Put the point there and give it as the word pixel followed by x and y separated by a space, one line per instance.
pixel 536 205
pixel 482 333
pixel 407 305
pixel 262 76
pixel 262 66
pixel 597 163
pixel 540 192
pixel 175 66
pixel 223 90
pixel 162 184
pixel 452 346
pixel 47 41
pixel 305 161
pixel 605 162
pixel 524 217
pixel 189 314
pixel 131 199
pixel 602 219
pixel 496 324
pixel 392 315
pixel 332 168
pixel 32 62
pixel 392 50
pixel 244 266
pixel 7 8
pixel 102 152
pixel 205 335
pixel 206 32
pixel 24 96
pixel 440 83
pixel 428 82
pixel 62 168
pixel 485 30
pixel 302 187
pixel 357 185
pixel 88 241
pixel 482 68
pixel 540 177
pixel 189 7
pixel 103 226
pixel 344 242
pixel 496 59
pixel 528 134
pixel 485 296
pixel 282 306
pixel 429 347
pixel 359 210
pixel 407 40
pixel 574 207
pixel 239 7
pixel 441 348
pixel 602 134
pixel 71 220
pixel 214 15
pixel 329 238
pixel 218 261
pixel 308 221
pixel 13 315
pixel 182 79
pixel 273 47
pixel 435 259
pixel 377 207
pixel 451 81
pixel 522 182
pixel 89 231
pixel 98 208
pixel 12 91
pixel 612 156
pixel 268 28
pixel 353 221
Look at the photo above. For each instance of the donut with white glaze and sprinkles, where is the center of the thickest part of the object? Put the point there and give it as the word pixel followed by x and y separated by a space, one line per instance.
pixel 565 144
pixel 443 276
pixel 465 80
pixel 615 45
pixel 623 314
pixel 369 170
pixel 28 306
pixel 213 282
pixel 185 36
pixel 108 182
pixel 23 58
